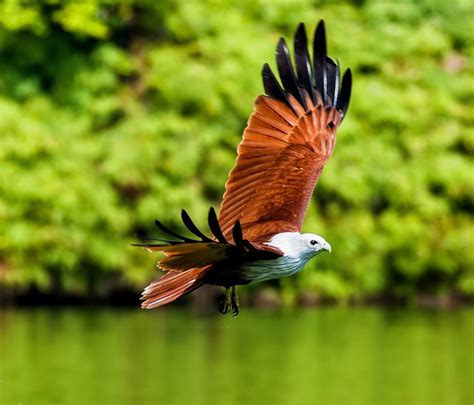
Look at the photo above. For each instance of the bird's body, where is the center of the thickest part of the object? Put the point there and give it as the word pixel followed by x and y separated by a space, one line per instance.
pixel 264 270
pixel 297 251
pixel 288 139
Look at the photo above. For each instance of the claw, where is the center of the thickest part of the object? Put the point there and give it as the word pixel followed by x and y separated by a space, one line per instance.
pixel 235 302
pixel 226 304
pixel 223 307
pixel 230 303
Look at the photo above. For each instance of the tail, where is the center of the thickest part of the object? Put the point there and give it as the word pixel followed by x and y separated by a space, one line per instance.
pixel 172 285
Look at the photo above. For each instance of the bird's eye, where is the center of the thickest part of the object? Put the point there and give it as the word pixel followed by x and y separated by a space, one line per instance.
pixel 313 242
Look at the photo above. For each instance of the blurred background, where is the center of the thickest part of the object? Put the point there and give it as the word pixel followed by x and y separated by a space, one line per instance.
pixel 113 114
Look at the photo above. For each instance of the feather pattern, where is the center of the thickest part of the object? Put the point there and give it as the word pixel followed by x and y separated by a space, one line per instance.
pixel 287 141
pixel 171 286
pixel 303 66
pixel 287 74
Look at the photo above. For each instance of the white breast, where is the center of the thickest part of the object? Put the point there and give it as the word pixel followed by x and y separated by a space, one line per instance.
pixel 263 270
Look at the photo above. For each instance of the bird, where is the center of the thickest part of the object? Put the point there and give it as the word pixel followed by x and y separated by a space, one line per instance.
pixel 256 234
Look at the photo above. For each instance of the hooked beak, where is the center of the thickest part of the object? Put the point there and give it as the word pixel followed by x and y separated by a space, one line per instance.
pixel 327 247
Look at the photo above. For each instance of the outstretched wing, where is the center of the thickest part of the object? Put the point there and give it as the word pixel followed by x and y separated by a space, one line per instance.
pixel 183 253
pixel 288 139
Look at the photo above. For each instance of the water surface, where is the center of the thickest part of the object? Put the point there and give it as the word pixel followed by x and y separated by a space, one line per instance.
pixel 318 356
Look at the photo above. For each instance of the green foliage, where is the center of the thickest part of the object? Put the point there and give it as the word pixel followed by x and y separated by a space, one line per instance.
pixel 113 114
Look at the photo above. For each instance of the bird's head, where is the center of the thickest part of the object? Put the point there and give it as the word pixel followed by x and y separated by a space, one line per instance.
pixel 301 245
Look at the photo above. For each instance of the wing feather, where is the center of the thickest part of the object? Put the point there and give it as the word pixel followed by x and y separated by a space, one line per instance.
pixel 303 66
pixel 288 115
pixel 288 140
pixel 274 133
pixel 274 122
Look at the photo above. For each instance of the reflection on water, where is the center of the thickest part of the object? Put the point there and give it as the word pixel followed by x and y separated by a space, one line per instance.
pixel 330 355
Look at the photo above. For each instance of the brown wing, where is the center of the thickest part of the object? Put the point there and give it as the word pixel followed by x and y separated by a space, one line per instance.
pixel 183 253
pixel 287 141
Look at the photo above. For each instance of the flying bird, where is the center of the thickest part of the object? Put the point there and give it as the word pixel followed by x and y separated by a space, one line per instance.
pixel 288 139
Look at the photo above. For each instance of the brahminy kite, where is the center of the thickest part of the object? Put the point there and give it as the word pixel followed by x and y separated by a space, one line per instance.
pixel 288 139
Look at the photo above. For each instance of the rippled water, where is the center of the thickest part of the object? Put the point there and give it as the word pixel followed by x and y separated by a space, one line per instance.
pixel 320 356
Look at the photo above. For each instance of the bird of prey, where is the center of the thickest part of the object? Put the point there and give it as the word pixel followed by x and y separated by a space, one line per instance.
pixel 288 139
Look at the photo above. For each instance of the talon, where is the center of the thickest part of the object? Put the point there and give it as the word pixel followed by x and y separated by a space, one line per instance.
pixel 226 304
pixel 235 302
pixel 223 307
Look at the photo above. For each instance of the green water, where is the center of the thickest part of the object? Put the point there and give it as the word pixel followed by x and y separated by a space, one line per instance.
pixel 320 356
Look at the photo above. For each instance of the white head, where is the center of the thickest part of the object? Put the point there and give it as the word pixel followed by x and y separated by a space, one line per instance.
pixel 299 245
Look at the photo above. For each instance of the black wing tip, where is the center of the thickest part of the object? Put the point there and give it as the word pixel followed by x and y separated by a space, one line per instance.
pixel 320 37
pixel 287 73
pixel 300 40
pixel 302 61
pixel 301 28
pixel 345 93
pixel 320 33
pixel 319 62
pixel 322 77
pixel 215 227
pixel 159 224
pixel 271 85
pixel 237 234
pixel 169 232
pixel 188 222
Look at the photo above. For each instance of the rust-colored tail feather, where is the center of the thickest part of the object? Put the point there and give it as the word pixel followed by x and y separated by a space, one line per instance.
pixel 172 285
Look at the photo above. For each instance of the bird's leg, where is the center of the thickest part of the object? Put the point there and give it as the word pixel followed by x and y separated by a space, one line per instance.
pixel 226 303
pixel 234 301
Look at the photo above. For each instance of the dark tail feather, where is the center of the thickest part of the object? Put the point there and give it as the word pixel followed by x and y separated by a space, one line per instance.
pixel 172 285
